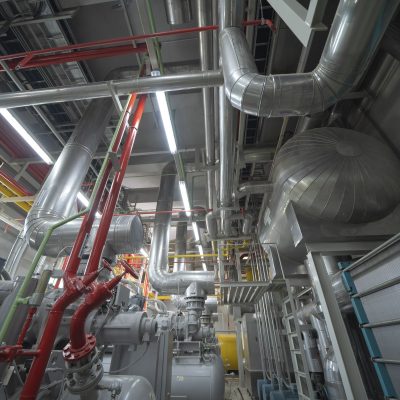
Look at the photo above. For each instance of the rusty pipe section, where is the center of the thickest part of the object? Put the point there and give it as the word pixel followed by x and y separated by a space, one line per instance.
pixel 161 280
pixel 355 34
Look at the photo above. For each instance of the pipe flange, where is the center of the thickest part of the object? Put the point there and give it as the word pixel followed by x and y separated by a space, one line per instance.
pixel 72 355
pixel 84 374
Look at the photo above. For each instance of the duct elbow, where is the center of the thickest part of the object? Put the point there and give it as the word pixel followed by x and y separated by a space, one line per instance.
pixel 345 57
pixel 177 282
pixel 124 236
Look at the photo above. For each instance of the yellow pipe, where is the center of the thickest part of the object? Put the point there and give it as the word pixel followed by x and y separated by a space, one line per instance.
pixel 164 298
pixel 8 193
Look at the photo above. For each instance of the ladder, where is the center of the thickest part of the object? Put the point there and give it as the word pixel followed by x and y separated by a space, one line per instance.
pixel 293 330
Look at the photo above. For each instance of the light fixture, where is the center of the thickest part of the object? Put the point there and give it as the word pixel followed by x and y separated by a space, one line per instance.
pixel 85 202
pixel 185 197
pixel 166 120
pixel 200 247
pixel 26 136
pixel 144 253
pixel 196 231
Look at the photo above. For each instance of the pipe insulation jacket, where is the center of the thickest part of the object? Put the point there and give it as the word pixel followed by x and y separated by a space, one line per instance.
pixel 161 280
pixel 355 34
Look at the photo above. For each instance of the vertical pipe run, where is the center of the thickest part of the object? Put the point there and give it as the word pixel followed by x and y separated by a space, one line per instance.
pixel 226 133
pixel 180 244
pixel 109 207
pixel 208 103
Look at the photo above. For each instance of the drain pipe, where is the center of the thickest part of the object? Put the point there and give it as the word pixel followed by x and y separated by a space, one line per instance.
pixel 353 39
pixel 162 281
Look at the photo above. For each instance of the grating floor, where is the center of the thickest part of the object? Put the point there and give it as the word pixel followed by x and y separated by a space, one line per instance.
pixel 233 391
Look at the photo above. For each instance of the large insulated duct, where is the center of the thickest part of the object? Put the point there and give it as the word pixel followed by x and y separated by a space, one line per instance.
pixel 57 197
pixel 353 39
pixel 329 174
pixel 161 280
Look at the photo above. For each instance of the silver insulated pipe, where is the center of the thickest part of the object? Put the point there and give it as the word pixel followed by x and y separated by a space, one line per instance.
pixel 57 197
pixel 353 39
pixel 180 244
pixel 161 280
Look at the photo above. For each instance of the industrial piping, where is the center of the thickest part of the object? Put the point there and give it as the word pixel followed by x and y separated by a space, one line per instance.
pixel 180 244
pixel 208 104
pixel 173 82
pixel 57 197
pixel 228 16
pixel 162 281
pixel 353 39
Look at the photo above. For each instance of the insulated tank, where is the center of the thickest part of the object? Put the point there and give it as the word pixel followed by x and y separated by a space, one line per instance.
pixel 227 344
pixel 196 379
pixel 330 174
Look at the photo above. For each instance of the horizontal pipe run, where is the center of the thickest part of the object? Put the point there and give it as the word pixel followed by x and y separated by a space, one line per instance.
pixel 120 40
pixel 175 82
pixel 39 61
pixel 355 35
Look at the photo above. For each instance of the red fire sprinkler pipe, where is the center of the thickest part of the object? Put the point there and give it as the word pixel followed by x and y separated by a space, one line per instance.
pixel 109 207
pixel 74 260
pixel 74 287
pixel 81 344
pixel 95 298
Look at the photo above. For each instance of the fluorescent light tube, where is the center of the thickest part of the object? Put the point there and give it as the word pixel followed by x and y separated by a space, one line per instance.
pixel 202 257
pixel 166 120
pixel 85 202
pixel 196 231
pixel 144 253
pixel 185 197
pixel 26 136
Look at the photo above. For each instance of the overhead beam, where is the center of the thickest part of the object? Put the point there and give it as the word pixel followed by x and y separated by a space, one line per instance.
pixel 22 21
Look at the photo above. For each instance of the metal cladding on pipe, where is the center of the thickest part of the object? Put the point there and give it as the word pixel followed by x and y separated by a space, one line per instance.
pixel 57 196
pixel 226 133
pixel 178 11
pixel 257 154
pixel 333 381
pixel 208 104
pixel 180 244
pixel 162 281
pixel 6 288
pixel 329 174
pixel 251 187
pixel 353 39
pixel 212 224
pixel 175 82
pixel 247 224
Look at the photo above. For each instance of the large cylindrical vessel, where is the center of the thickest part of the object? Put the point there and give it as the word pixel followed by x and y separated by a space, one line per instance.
pixel 197 379
pixel 333 175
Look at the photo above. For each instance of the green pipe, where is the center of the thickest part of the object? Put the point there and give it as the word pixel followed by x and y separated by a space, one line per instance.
pixel 19 299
